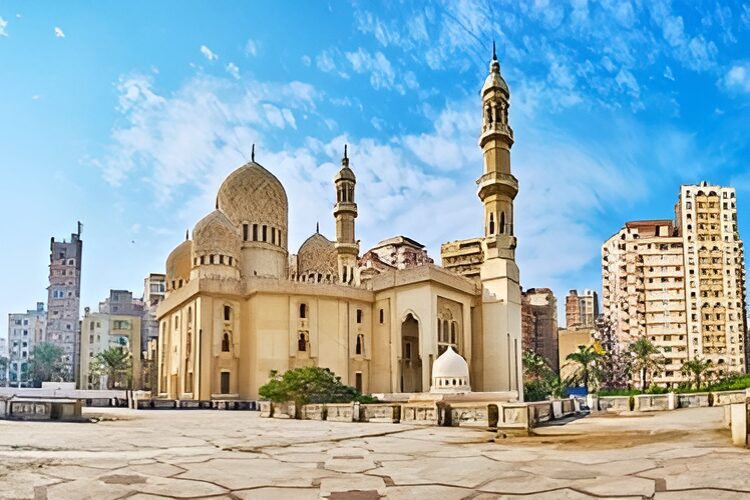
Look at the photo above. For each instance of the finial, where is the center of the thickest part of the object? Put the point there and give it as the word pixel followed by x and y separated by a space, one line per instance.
pixel 317 227
pixel 187 234
pixel 252 153
pixel 494 53
pixel 345 159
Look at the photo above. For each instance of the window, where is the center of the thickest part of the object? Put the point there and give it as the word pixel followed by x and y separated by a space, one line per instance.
pixel 360 347
pixel 302 342
pixel 265 232
pixel 273 235
pixel 407 350
pixel 227 313
pixel 359 315
pixel 225 382
pixel 382 316
pixel 255 232
pixel 492 224
pixel 358 381
pixel 245 230
pixel 225 343
pixel 303 311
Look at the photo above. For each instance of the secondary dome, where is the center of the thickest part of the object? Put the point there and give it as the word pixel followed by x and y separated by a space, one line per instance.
pixel 253 195
pixel 495 79
pixel 216 235
pixel 317 255
pixel 450 373
pixel 178 264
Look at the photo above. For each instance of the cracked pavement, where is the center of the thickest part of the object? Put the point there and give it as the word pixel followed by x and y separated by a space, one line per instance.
pixel 225 454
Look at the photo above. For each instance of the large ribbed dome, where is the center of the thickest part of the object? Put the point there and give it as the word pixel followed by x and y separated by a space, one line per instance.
pixel 253 195
pixel 215 234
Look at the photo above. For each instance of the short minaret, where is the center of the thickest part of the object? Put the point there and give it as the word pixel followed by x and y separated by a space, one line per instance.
pixel 501 358
pixel 345 211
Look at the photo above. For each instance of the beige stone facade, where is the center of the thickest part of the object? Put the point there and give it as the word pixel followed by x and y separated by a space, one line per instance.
pixel 681 284
pixel 239 305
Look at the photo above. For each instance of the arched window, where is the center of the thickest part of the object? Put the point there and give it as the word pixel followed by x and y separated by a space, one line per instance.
pixel 454 337
pixel 265 232
pixel 360 347
pixel 303 311
pixel 225 343
pixel 502 222
pixel 382 317
pixel 492 224
pixel 227 313
pixel 302 343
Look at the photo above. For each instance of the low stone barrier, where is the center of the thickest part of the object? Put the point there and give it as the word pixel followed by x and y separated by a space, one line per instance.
pixel 313 412
pixel 266 409
pixel 419 413
pixel 654 402
pixel 342 412
pixel 194 404
pixel 614 403
pixel 694 400
pixel 472 415
pixel 284 410
pixel 728 397
pixel 562 408
pixel 738 423
pixel 387 413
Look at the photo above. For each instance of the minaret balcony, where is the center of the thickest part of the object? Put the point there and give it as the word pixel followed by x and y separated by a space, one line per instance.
pixel 497 183
pixel 345 207
pixel 496 130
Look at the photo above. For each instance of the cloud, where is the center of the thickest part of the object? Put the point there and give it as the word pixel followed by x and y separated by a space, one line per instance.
pixel 251 48
pixel 59 33
pixel 3 24
pixel 737 78
pixel 382 74
pixel 233 70
pixel 208 53
pixel 668 73
pixel 306 60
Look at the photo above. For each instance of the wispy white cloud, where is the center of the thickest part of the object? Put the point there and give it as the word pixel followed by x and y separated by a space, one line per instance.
pixel 233 70
pixel 59 32
pixel 208 53
pixel 668 73
pixel 737 78
pixel 251 48
pixel 3 25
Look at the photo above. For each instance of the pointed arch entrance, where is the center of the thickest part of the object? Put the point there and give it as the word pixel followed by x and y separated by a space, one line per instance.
pixel 411 363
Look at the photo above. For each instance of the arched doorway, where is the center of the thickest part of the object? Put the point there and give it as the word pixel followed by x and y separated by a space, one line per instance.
pixel 411 363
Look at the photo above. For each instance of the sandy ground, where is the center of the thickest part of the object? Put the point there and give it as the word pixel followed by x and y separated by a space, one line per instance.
pixel 221 454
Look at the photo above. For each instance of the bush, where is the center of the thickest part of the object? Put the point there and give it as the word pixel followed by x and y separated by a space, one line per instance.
pixel 535 390
pixel 310 385
pixel 618 392
pixel 655 389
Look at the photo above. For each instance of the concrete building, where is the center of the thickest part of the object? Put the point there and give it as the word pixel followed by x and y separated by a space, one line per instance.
pixel 154 290
pixel 116 324
pixel 539 324
pixel 238 305
pixel 681 284
pixel 581 310
pixel 25 330
pixel 63 298
pixel 569 339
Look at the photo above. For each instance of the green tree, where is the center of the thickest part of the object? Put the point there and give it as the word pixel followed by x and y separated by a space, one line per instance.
pixel 540 380
pixel 309 385
pixel 116 364
pixel 695 369
pixel 585 362
pixel 46 364
pixel 647 359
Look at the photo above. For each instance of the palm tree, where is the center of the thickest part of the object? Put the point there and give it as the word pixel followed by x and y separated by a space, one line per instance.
pixel 645 359
pixel 694 369
pixel 115 363
pixel 585 357
pixel 46 364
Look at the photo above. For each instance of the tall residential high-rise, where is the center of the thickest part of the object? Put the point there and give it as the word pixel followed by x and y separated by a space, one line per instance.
pixel 63 298
pixel 539 324
pixel 581 310
pixel 117 324
pixel 681 284
pixel 25 330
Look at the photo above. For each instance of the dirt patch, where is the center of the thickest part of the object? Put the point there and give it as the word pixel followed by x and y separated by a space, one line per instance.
pixel 614 440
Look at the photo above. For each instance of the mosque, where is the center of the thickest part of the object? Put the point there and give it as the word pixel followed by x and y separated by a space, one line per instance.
pixel 240 305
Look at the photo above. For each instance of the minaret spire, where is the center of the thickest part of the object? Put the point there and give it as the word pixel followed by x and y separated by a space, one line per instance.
pixel 252 153
pixel 345 159
pixel 187 234
pixel 345 211
pixel 494 53
pixel 317 227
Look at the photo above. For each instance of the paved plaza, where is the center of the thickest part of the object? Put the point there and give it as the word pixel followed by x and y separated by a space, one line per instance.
pixel 222 454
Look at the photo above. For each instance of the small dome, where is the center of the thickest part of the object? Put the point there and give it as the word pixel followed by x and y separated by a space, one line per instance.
pixel 215 234
pixel 317 255
pixel 251 194
pixel 450 364
pixel 178 262
pixel 345 173
pixel 495 79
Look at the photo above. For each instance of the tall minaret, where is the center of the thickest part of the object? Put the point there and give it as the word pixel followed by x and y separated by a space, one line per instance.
pixel 501 301
pixel 345 211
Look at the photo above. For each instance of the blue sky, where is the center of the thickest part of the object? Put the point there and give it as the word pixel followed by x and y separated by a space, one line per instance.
pixel 127 116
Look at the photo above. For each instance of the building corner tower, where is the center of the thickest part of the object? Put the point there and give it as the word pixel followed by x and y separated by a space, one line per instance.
pixel 501 296
pixel 345 211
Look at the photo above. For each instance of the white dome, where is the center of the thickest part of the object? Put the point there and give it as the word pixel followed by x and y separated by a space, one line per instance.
pixel 450 364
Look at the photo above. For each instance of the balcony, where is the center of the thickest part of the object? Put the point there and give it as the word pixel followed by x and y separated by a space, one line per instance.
pixel 497 183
